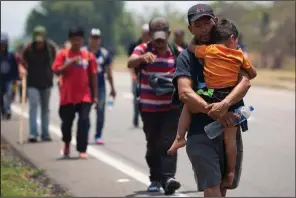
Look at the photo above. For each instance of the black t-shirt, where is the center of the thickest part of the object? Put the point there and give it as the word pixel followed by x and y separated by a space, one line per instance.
pixel 185 62
pixel 39 62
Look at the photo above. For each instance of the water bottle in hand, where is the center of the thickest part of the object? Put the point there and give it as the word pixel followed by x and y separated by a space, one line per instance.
pixel 214 129
pixel 110 103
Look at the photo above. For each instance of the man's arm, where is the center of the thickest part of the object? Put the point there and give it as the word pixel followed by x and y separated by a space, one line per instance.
pixel 183 84
pixel 94 77
pixel 25 56
pixel 110 76
pixel 133 74
pixel 219 109
pixel 59 67
pixel 194 102
pixel 139 56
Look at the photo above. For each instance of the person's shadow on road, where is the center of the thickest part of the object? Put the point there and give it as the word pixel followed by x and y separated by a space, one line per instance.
pixel 144 193
pixel 67 158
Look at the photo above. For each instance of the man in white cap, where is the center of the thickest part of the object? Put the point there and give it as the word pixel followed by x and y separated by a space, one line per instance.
pixel 145 37
pixel 104 62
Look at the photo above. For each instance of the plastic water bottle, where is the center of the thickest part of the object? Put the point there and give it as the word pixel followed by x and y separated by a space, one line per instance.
pixel 110 103
pixel 214 129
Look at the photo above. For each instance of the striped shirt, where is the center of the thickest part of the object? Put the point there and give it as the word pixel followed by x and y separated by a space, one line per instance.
pixel 164 65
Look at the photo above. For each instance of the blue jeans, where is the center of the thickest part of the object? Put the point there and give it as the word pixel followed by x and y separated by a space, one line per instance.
pixel 101 112
pixel 40 96
pixel 136 105
pixel 7 96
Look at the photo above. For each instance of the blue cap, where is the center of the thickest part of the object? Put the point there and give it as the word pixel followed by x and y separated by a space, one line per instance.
pixel 251 108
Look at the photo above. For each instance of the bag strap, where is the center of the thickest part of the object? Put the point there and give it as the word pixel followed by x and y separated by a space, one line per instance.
pixel 174 49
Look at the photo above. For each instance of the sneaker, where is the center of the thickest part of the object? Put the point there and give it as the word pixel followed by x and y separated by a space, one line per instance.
pixel 171 186
pixel 32 139
pixel 154 187
pixel 8 116
pixel 83 155
pixel 65 152
pixel 99 141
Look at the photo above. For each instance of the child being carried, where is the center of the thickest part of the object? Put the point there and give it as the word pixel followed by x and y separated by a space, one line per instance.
pixel 222 65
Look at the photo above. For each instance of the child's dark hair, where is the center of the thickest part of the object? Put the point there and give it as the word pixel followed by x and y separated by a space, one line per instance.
pixel 223 30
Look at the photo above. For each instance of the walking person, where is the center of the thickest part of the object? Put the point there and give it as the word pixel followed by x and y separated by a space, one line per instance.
pixel 208 157
pixel 37 59
pixel 9 74
pixel 104 62
pixel 22 70
pixel 145 37
pixel 179 36
pixel 77 70
pixel 159 116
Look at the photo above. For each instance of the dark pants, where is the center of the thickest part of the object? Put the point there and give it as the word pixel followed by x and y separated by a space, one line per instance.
pixel 209 162
pixel 101 112
pixel 136 105
pixel 160 129
pixel 67 115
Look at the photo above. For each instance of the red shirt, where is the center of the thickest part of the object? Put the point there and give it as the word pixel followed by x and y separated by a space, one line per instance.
pixel 74 82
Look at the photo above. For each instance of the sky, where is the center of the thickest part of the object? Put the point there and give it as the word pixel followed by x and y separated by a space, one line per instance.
pixel 14 13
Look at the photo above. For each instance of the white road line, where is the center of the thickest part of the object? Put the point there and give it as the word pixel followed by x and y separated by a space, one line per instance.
pixel 103 157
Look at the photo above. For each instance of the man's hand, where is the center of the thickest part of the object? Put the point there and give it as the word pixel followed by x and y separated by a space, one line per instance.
pixel 218 109
pixel 75 60
pixel 22 72
pixel 134 78
pixel 95 101
pixel 227 119
pixel 148 57
pixel 113 93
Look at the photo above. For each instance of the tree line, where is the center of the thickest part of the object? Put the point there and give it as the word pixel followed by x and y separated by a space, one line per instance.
pixel 267 29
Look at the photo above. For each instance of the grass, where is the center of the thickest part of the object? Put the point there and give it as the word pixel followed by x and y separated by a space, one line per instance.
pixel 268 78
pixel 275 79
pixel 18 179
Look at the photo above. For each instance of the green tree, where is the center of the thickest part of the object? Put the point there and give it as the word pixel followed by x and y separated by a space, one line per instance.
pixel 58 16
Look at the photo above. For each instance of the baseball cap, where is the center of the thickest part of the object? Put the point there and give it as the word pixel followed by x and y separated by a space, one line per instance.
pixel 199 10
pixel 95 32
pixel 39 29
pixel 39 33
pixel 76 31
pixel 159 28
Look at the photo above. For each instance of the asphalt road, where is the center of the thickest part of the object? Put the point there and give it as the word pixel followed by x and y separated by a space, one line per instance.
pixel 269 145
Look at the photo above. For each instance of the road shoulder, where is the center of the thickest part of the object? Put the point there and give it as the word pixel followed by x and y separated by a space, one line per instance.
pixel 81 177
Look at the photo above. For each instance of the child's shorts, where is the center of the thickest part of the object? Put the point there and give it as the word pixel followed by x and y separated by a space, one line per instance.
pixel 217 95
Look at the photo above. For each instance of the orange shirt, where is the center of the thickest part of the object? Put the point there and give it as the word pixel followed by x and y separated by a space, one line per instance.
pixel 222 65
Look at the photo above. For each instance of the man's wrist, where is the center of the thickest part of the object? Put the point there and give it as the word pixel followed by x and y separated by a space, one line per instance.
pixel 227 102
pixel 142 59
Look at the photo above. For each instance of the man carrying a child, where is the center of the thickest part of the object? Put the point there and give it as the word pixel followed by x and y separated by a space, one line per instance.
pixel 208 157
